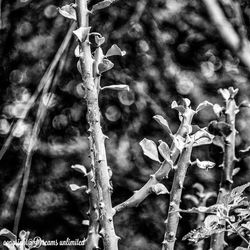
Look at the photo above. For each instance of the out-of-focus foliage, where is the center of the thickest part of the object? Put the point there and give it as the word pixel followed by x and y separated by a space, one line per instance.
pixel 172 51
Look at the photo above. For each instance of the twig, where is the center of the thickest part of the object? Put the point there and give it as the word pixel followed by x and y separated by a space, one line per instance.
pixel 228 33
pixel 41 113
pixel 49 72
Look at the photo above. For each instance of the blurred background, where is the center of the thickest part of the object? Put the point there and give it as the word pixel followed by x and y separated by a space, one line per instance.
pixel 173 51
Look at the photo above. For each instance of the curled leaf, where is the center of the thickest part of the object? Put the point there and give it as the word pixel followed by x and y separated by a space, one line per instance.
pixel 211 222
pixel 179 108
pixel 101 5
pixel 8 234
pixel 117 87
pixel 163 122
pixel 115 51
pixel 105 65
pixel 82 33
pixel 159 188
pixel 99 40
pixel 80 168
pixel 202 137
pixel 225 93
pixel 68 11
pixel 203 105
pixel 204 164
pixel 164 151
pixel 187 102
pixel 149 149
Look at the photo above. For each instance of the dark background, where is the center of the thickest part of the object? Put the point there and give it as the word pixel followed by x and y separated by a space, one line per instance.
pixel 173 51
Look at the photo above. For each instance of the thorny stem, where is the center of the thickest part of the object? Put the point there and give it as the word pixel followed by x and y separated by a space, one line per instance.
pixel 175 199
pixel 229 159
pixel 163 171
pixel 97 138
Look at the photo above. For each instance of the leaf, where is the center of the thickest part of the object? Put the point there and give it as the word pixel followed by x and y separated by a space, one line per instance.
pixel 79 68
pixel 75 187
pixel 246 225
pixel 8 234
pixel 99 40
pixel 68 11
pixel 105 65
pixel 115 51
pixel 163 122
pixel 117 87
pixel 203 105
pixel 101 5
pixel 82 33
pixel 225 93
pixel 202 137
pixel 80 168
pixel 204 164
pixel 159 188
pixel 164 151
pixel 179 108
pixel 233 92
pixel 187 102
pixel 149 149
pixel 85 222
pixel 219 128
pixel 77 51
pixel 238 191
pixel 211 222
pixel 217 109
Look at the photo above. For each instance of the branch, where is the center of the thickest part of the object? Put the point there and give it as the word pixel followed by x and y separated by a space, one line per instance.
pixel 91 78
pixel 162 173
pixel 229 159
pixel 228 33
pixel 173 218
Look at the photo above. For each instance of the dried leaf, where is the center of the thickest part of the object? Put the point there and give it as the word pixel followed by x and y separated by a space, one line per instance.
pixel 164 151
pixel 163 122
pixel 204 164
pixel 115 51
pixel 149 149
pixel 203 105
pixel 160 189
pixel 68 11
pixel 105 65
pixel 117 87
pixel 80 168
pixel 82 33
pixel 101 5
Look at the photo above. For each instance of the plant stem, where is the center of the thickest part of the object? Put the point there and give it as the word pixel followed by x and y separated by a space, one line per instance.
pixel 217 240
pixel 172 220
pixel 163 171
pixel 97 138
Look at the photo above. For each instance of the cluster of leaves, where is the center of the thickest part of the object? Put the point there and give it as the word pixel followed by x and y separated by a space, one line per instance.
pixel 234 209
